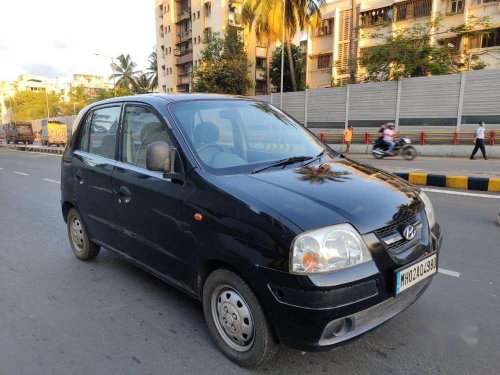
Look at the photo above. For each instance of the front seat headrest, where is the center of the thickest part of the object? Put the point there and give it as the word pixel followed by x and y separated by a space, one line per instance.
pixel 206 132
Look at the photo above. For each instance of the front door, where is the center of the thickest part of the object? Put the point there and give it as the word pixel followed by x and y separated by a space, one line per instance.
pixel 93 164
pixel 148 205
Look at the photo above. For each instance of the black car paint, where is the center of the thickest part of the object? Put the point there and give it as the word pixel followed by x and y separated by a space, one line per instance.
pixel 249 222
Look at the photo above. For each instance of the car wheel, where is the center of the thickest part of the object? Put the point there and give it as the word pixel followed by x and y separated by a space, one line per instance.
pixel 79 238
pixel 236 320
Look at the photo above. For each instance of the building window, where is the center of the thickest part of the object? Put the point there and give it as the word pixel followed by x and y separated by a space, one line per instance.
pixel 377 16
pixel 164 88
pixel 492 39
pixel 413 9
pixel 324 61
pixel 456 6
pixel 326 28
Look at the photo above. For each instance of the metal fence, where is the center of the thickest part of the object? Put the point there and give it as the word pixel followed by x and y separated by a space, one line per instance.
pixel 450 102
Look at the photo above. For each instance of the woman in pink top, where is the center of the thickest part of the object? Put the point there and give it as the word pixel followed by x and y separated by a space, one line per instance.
pixel 389 137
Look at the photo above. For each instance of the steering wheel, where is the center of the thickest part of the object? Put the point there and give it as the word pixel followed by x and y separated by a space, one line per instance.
pixel 207 147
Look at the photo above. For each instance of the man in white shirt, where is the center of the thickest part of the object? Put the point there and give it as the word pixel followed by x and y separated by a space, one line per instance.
pixel 479 141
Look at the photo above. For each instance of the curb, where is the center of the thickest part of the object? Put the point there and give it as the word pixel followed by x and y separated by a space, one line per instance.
pixel 455 182
pixel 28 148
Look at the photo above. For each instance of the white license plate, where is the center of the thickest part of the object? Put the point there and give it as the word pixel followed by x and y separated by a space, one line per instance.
pixel 415 273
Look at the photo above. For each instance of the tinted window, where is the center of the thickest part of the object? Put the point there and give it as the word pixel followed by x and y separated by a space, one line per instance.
pixel 103 131
pixel 141 127
pixel 84 134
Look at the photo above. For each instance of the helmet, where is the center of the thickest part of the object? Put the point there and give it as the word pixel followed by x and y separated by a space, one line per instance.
pixel 390 125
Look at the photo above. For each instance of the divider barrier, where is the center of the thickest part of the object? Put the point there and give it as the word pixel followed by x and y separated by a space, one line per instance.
pixel 420 138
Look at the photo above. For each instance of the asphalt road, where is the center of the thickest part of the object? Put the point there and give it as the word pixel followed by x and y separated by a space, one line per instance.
pixel 59 315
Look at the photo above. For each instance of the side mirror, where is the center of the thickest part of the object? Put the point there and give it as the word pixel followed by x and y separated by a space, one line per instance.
pixel 160 157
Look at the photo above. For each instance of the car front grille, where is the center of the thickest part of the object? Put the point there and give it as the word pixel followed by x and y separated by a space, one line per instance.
pixel 394 228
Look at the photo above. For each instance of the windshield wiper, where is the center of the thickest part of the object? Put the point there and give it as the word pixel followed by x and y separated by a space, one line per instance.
pixel 283 162
pixel 312 160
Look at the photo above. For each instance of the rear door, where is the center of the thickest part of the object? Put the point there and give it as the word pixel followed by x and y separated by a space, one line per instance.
pixel 148 205
pixel 93 163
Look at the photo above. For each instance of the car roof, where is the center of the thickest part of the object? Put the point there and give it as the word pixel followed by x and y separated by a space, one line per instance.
pixel 171 98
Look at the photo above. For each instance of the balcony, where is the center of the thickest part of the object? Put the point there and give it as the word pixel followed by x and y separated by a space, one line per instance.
pixel 185 58
pixel 184 36
pixel 234 19
pixel 261 52
pixel 412 9
pixel 184 15
pixel 184 79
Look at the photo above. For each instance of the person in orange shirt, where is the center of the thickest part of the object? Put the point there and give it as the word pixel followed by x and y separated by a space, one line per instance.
pixel 348 138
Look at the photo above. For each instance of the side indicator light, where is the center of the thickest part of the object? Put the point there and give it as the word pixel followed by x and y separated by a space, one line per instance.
pixel 198 217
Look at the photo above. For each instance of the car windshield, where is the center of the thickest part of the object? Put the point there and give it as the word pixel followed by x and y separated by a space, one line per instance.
pixel 238 136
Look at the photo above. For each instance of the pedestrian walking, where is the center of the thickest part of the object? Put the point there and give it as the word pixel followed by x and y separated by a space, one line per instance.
pixel 479 141
pixel 348 138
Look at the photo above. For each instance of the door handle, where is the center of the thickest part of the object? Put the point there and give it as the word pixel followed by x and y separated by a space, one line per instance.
pixel 124 195
pixel 79 178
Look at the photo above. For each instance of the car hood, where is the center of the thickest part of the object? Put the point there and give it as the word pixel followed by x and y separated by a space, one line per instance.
pixel 334 192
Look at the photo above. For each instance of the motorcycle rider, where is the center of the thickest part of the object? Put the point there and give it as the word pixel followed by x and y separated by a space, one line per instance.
pixel 388 136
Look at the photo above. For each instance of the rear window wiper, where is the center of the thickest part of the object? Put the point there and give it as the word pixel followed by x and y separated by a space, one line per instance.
pixel 283 162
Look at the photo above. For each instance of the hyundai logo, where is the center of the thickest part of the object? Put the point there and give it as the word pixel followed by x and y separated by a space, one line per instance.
pixel 409 232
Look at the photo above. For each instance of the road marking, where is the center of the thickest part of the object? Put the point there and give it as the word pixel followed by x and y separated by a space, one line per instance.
pixel 448 272
pixel 453 192
pixel 53 181
pixel 21 173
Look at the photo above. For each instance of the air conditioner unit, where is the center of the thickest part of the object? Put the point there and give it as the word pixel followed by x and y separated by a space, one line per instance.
pixel 177 52
pixel 231 21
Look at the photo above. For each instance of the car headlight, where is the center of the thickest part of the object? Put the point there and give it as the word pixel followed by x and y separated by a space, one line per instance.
pixel 429 209
pixel 328 249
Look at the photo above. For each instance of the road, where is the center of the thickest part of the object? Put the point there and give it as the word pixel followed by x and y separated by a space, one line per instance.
pixel 59 315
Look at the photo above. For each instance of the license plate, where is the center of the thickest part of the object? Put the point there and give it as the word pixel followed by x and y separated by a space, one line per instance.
pixel 415 273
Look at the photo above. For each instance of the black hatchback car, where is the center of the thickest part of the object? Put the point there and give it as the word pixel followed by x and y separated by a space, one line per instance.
pixel 284 240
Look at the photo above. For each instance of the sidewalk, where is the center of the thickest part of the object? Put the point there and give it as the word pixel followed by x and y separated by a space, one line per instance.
pixel 457 173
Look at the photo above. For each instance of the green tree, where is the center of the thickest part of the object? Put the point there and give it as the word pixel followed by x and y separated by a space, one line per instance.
pixel 287 77
pixel 29 105
pixel 142 83
pixel 410 52
pixel 124 71
pixel 224 65
pixel 108 94
pixel 153 70
pixel 268 15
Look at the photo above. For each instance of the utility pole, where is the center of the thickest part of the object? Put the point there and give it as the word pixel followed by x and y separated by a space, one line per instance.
pixel 353 43
pixel 112 69
pixel 282 53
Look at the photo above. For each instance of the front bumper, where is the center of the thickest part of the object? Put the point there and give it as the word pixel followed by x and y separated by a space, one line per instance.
pixel 313 313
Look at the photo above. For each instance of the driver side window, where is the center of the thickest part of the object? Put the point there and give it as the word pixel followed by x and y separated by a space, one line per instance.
pixel 141 127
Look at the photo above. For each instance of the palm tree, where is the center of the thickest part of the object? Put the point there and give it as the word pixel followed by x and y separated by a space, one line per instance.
pixel 267 16
pixel 153 69
pixel 124 71
pixel 143 83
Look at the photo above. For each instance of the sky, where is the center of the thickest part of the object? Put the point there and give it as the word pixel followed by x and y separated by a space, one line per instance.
pixel 58 38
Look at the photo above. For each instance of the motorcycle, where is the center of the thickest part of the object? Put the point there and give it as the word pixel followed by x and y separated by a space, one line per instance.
pixel 402 146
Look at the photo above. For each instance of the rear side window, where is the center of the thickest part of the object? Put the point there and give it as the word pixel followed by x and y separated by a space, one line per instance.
pixel 103 127
pixel 141 127
pixel 84 139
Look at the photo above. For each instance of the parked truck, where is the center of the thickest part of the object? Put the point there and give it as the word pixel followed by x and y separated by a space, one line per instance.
pixel 20 132
pixel 54 133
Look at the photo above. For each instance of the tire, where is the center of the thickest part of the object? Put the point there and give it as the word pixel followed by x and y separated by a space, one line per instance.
pixel 409 153
pixel 225 292
pixel 377 156
pixel 79 238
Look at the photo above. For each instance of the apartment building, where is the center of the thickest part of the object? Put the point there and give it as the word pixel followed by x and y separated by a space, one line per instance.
pixel 328 46
pixel 92 85
pixel 181 26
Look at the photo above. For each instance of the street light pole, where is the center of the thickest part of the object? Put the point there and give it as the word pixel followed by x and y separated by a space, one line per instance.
pixel 282 53
pixel 112 69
